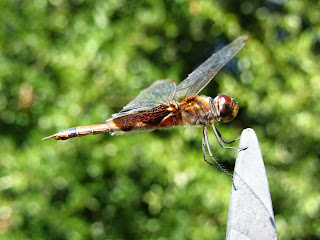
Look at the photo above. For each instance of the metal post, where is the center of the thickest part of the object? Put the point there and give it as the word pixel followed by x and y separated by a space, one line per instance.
pixel 250 209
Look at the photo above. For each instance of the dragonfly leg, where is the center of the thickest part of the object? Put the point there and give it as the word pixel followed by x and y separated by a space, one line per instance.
pixel 205 143
pixel 221 139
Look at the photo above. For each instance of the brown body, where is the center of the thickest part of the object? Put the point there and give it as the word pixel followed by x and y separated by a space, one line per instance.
pixel 165 104
pixel 189 112
pixel 193 111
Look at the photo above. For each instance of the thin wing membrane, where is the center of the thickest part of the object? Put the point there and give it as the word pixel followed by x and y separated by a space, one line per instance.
pixel 157 93
pixel 202 75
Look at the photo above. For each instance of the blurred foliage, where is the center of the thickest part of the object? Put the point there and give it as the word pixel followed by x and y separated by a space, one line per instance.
pixel 71 63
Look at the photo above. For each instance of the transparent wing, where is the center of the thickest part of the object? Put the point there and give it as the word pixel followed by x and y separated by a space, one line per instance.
pixel 202 75
pixel 157 93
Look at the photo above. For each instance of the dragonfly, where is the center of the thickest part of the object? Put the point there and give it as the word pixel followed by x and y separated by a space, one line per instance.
pixel 165 104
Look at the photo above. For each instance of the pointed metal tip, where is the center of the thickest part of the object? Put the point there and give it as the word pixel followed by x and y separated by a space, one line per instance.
pixel 52 136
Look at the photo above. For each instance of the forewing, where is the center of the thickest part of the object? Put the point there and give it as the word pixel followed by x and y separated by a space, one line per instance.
pixel 157 93
pixel 202 75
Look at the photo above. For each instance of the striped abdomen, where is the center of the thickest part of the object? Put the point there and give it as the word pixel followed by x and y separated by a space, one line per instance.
pixel 190 112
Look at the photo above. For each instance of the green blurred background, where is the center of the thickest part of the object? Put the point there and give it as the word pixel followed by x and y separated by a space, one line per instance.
pixel 73 63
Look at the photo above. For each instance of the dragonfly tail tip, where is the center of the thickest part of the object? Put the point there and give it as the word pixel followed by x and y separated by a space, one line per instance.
pixel 52 136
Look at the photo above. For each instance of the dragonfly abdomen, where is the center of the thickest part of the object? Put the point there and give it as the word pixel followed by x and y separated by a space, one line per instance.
pixel 158 117
pixel 80 131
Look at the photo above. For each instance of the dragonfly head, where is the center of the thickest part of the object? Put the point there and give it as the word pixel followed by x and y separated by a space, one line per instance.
pixel 224 108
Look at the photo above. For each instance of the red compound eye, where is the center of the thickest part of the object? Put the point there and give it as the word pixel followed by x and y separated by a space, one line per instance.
pixel 227 107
